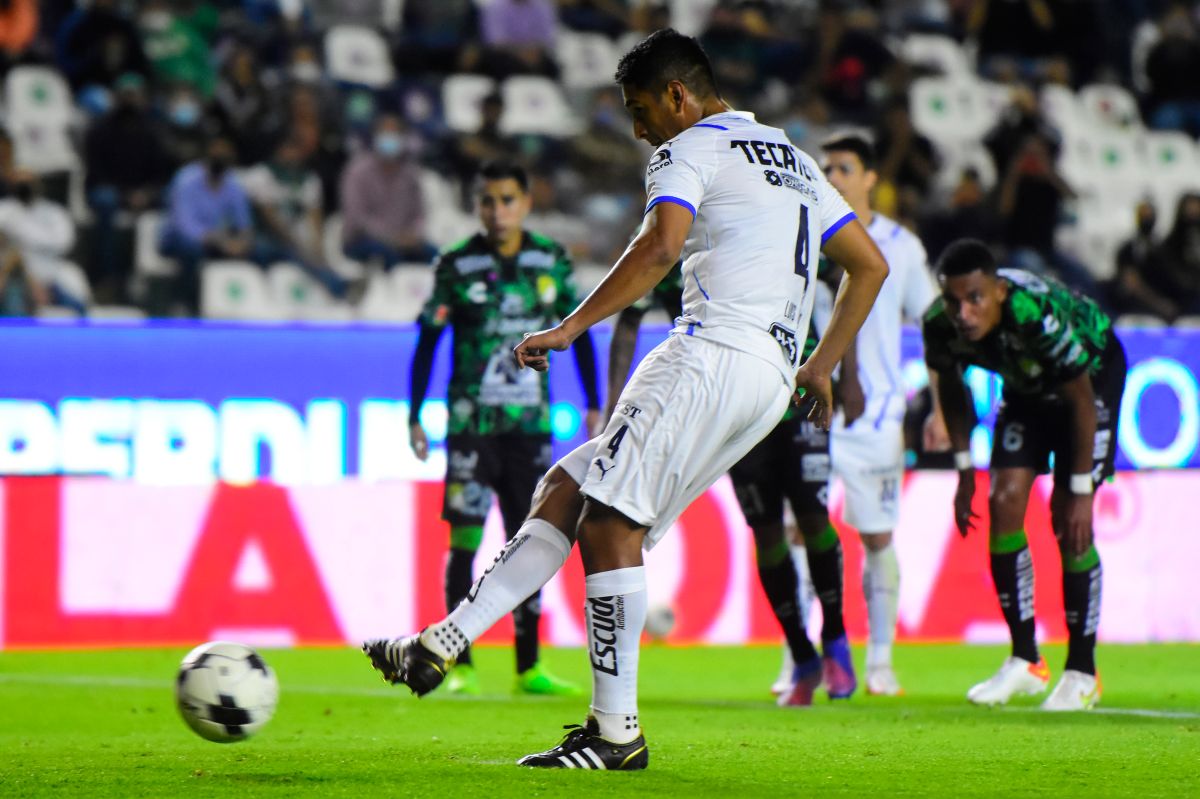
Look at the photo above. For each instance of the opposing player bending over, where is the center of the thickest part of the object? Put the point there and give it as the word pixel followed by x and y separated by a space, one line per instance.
pixel 749 211
pixel 1064 372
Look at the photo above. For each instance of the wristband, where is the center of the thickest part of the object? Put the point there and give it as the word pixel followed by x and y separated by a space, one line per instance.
pixel 1081 484
pixel 963 462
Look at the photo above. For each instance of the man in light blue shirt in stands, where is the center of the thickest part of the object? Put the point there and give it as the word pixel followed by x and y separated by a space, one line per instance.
pixel 208 216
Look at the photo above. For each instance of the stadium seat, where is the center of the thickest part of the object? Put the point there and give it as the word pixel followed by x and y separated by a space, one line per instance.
pixel 461 98
pixel 332 243
pixel 587 60
pixel 1139 320
pixel 939 54
pixel 445 221
pixel 38 113
pixel 358 56
pixel 1187 322
pixel 297 295
pixel 235 290
pixel 1110 105
pixel 952 112
pixel 1106 163
pixel 1062 108
pixel 115 313
pixel 379 303
pixel 536 105
pixel 412 285
pixel 968 155
pixel 148 262
pixel 74 281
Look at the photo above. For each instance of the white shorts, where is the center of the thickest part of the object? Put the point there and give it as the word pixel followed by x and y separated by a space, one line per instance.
pixel 691 410
pixel 870 464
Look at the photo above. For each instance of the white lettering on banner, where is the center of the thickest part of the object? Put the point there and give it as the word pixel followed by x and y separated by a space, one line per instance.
pixel 250 425
pixel 94 436
pixel 174 443
pixel 1178 379
pixel 384 448
pixel 326 444
pixel 28 438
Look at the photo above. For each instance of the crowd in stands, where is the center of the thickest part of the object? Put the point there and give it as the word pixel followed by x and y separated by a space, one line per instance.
pixel 147 141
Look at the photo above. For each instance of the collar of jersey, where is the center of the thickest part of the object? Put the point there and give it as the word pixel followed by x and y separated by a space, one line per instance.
pixel 743 115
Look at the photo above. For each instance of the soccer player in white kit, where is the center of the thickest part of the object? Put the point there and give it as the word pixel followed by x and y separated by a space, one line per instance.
pixel 749 212
pixel 868 437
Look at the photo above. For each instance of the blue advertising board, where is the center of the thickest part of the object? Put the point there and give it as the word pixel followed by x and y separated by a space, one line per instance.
pixel 185 402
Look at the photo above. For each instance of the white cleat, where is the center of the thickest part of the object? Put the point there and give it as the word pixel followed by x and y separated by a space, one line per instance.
pixel 1017 677
pixel 1075 691
pixel 881 681
pixel 783 683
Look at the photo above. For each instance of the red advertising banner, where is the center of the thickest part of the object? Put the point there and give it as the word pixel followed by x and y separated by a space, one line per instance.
pixel 96 562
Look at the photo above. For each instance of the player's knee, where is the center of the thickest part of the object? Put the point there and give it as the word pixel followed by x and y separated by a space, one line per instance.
pixel 557 500
pixel 608 539
pixel 1007 508
pixel 876 542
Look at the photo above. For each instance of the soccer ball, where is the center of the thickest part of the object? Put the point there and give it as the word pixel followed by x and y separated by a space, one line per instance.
pixel 660 620
pixel 225 691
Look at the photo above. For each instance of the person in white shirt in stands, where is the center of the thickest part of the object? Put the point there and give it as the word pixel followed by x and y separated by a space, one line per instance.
pixel 286 197
pixel 43 233
pixel 868 438
pixel 749 212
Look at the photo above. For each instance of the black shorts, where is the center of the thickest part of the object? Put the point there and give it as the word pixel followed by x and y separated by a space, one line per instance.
pixel 1029 429
pixel 507 465
pixel 791 463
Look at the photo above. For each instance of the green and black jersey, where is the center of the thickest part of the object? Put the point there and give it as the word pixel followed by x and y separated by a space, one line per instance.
pixel 491 303
pixel 1047 336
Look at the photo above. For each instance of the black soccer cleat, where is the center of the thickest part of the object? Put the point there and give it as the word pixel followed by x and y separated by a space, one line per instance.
pixel 407 661
pixel 582 747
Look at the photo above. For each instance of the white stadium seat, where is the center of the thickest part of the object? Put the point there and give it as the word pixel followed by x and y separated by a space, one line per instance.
pixel 1109 105
pixel 359 56
pixel 587 60
pixel 398 296
pixel 461 98
pixel 297 295
pixel 235 290
pixel 536 105
pixel 1062 109
pixel 38 113
pixel 115 313
pixel 147 261
pixel 953 112
pixel 940 54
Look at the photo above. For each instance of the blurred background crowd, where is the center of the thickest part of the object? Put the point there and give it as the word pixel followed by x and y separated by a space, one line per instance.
pixel 279 159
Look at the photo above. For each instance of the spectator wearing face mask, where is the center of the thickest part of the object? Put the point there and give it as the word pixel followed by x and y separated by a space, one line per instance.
pixel 383 207
pixel 208 216
pixel 187 127
pixel 176 52
pixel 41 234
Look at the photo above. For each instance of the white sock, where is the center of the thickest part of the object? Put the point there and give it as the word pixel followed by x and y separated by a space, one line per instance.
pixel 616 614
pixel 804 589
pixel 881 589
pixel 527 562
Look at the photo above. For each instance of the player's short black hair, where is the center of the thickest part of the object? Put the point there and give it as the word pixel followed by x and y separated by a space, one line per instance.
pixel 502 170
pixel 664 56
pixel 965 256
pixel 852 141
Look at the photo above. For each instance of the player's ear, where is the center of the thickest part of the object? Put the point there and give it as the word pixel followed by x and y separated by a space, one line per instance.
pixel 677 94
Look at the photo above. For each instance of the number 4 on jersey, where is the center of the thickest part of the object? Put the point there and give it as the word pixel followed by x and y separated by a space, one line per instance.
pixel 614 443
pixel 802 254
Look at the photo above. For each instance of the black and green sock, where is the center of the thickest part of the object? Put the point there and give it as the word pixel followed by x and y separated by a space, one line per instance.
pixel 777 573
pixel 1082 576
pixel 825 570
pixel 464 541
pixel 1012 572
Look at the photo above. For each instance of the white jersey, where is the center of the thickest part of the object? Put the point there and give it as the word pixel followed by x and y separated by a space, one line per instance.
pixel 906 293
pixel 762 210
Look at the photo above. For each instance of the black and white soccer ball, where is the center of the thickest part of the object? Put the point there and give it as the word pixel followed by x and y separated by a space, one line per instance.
pixel 225 691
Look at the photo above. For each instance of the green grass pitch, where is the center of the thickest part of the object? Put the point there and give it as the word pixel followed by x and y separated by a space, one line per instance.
pixel 104 724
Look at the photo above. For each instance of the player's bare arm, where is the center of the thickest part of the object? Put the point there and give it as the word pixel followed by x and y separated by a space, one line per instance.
pixel 644 263
pixel 958 411
pixel 620 353
pixel 1076 527
pixel 866 270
